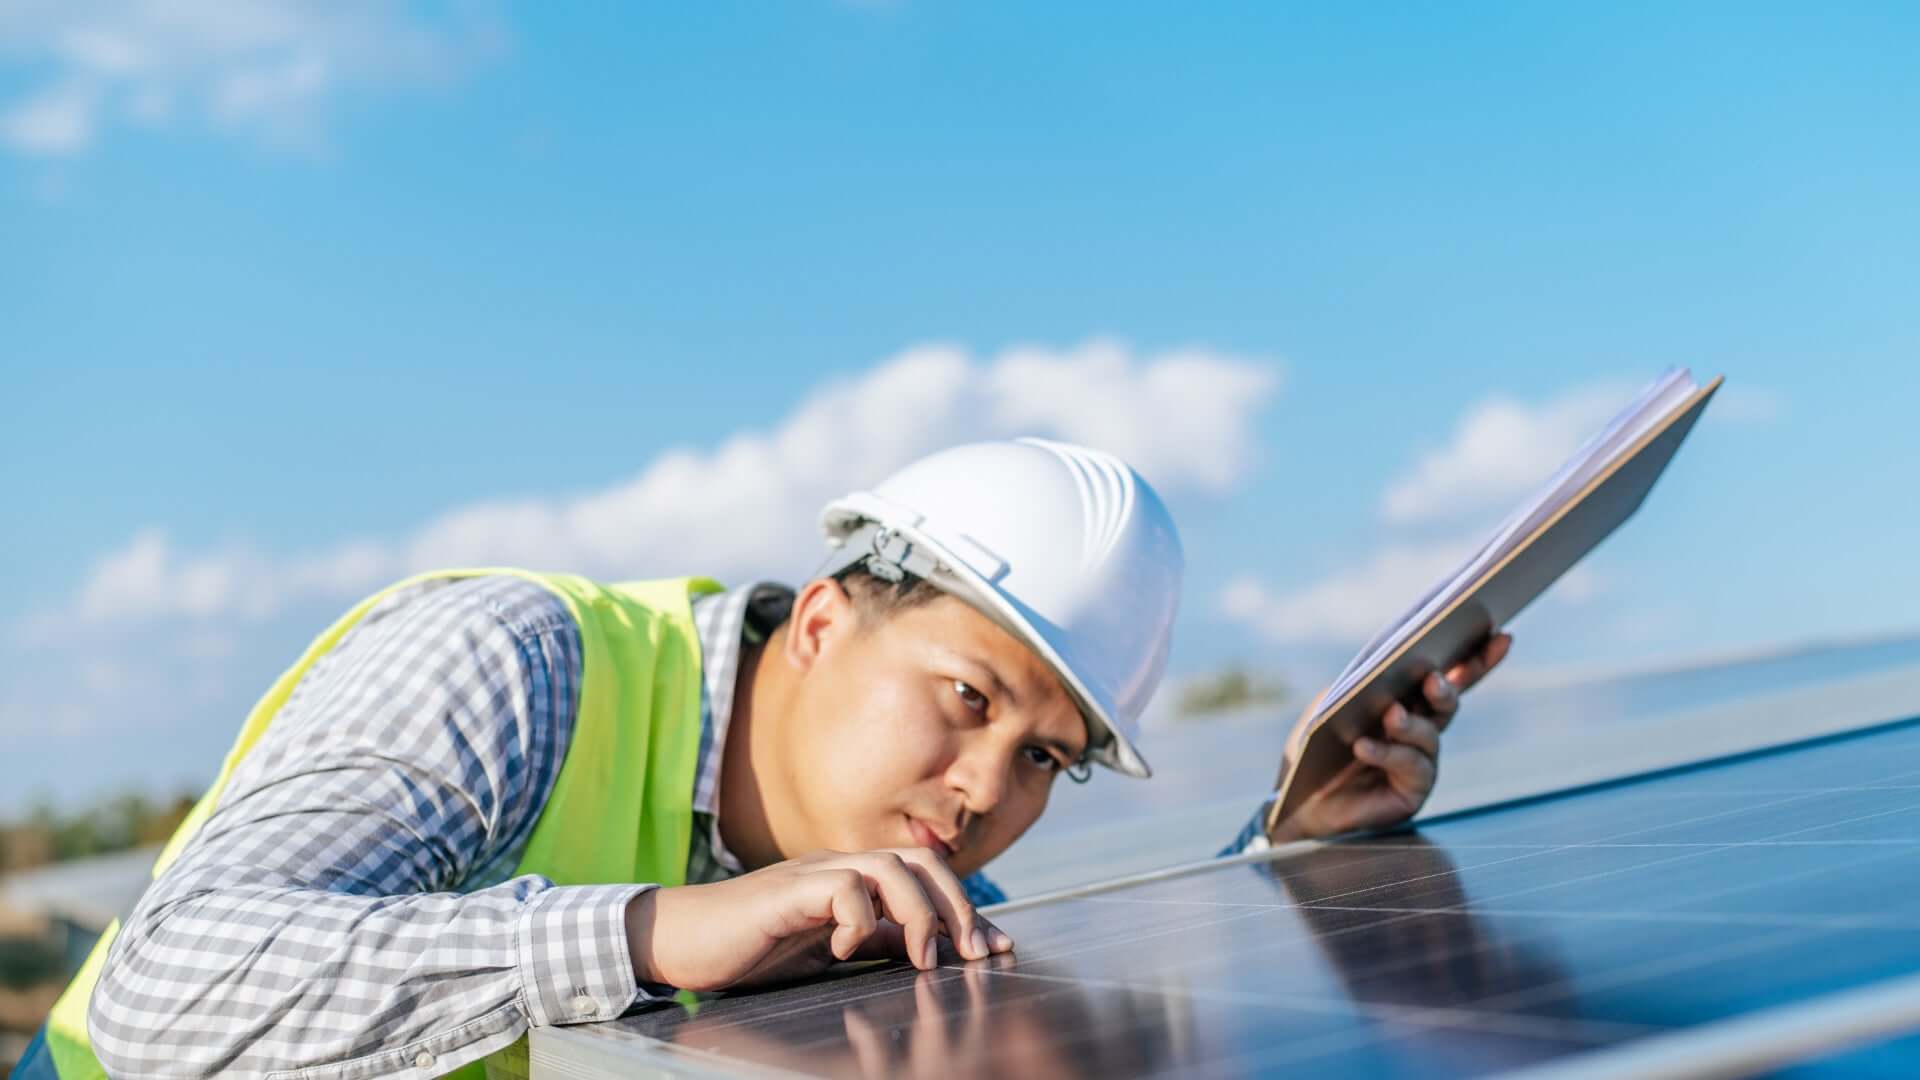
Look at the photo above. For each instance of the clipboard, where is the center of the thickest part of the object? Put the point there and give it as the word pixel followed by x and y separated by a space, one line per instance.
pixel 1492 600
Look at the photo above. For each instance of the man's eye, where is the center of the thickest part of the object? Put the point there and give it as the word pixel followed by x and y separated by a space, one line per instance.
pixel 1039 756
pixel 971 698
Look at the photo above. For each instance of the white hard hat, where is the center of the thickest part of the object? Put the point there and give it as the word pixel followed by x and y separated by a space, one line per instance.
pixel 1066 548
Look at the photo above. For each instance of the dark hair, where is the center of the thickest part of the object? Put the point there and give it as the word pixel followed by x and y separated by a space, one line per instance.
pixel 876 597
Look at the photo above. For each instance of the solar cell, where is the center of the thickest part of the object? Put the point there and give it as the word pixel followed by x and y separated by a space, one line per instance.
pixel 1486 940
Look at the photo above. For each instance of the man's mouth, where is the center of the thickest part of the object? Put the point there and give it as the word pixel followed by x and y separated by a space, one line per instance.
pixel 927 838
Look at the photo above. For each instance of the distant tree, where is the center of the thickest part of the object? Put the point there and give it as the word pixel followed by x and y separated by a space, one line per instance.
pixel 159 825
pixel 118 823
pixel 1227 691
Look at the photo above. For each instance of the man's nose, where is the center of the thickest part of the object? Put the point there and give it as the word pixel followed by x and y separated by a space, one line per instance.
pixel 979 771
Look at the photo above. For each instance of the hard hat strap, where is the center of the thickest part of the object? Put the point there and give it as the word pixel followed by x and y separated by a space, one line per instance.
pixel 886 553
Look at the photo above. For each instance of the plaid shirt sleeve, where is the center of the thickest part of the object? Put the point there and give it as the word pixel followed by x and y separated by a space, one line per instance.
pixel 346 912
pixel 1252 836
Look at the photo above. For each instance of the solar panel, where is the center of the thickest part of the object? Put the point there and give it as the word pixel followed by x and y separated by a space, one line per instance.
pixel 1537 932
pixel 1516 740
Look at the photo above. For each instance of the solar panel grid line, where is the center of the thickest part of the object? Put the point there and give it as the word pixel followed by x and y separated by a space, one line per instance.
pixel 1747 1044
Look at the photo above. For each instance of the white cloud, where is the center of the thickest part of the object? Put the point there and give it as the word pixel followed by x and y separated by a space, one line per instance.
pixel 262 67
pixel 1351 605
pixel 1184 418
pixel 57 121
pixel 1347 606
pixel 1501 450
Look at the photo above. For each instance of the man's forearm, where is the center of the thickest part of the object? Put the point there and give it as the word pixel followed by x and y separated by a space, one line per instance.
pixel 256 978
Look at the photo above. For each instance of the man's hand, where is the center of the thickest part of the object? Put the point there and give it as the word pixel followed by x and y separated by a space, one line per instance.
pixel 795 918
pixel 1389 779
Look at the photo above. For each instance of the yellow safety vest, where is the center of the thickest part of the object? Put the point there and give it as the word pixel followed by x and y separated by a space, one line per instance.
pixel 621 809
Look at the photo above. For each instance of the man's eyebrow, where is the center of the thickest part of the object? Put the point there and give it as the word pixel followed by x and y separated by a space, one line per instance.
pixel 1066 750
pixel 1000 688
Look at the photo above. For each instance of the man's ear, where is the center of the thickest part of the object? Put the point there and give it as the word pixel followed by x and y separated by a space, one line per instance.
pixel 823 616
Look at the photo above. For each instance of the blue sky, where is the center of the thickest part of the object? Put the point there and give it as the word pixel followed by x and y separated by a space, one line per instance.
pixel 297 296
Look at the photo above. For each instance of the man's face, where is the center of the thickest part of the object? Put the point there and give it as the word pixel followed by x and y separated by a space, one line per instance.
pixel 928 726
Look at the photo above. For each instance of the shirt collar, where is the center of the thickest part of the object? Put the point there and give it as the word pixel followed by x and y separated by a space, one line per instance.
pixel 726 622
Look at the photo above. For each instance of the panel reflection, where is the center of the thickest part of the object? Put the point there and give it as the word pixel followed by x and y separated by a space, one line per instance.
pixel 1106 1006
pixel 968 1021
pixel 1418 960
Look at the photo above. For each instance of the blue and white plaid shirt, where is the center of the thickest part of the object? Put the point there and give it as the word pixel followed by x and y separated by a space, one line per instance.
pixel 347 911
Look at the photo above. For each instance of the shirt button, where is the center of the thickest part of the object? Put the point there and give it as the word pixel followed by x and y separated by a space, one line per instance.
pixel 584 1006
pixel 423 1060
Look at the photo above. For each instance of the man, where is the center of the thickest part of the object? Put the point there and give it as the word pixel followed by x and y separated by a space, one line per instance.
pixel 485 801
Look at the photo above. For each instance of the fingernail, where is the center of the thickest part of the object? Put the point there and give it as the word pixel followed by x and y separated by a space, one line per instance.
pixel 932 954
pixel 1001 941
pixel 1363 747
pixel 979 941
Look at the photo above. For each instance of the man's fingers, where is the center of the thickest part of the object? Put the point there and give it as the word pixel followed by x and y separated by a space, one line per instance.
pixel 1496 651
pixel 1408 770
pixel 1419 732
pixel 1464 674
pixel 887 942
pixel 851 907
pixel 967 930
pixel 905 901
pixel 870 1051
pixel 1442 699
